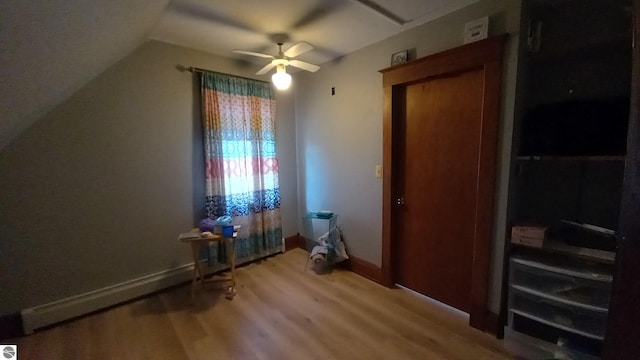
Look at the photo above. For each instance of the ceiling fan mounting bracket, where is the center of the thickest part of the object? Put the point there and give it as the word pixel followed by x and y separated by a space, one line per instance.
pixel 279 38
pixel 284 62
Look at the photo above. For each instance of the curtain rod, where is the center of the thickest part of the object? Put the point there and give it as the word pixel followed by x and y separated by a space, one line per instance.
pixel 192 69
pixel 195 69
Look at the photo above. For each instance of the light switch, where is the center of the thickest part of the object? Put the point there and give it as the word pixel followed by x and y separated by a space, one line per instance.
pixel 378 171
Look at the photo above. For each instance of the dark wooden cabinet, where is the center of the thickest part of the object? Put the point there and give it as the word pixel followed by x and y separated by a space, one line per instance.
pixel 575 160
pixel 622 340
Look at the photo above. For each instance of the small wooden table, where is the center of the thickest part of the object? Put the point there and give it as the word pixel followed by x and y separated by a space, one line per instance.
pixel 196 240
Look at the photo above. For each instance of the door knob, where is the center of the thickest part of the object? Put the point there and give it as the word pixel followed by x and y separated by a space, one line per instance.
pixel 400 201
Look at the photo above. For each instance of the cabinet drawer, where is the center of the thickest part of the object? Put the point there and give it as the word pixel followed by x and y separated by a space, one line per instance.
pixel 579 320
pixel 591 290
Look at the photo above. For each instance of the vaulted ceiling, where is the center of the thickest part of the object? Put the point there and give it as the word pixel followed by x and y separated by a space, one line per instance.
pixel 50 49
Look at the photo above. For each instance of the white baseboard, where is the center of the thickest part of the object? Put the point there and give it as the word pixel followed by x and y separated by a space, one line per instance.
pixel 74 306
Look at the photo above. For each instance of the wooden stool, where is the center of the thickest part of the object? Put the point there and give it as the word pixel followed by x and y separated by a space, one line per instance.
pixel 196 240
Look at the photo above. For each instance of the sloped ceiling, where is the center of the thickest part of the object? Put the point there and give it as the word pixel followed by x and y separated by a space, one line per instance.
pixel 50 49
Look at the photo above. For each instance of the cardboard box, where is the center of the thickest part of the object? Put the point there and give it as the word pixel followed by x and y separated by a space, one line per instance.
pixel 529 235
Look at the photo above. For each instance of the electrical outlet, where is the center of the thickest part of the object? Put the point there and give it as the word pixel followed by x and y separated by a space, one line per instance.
pixel 378 171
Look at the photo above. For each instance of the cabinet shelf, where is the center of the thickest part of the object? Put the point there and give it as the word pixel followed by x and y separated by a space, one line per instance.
pixel 560 299
pixel 556 325
pixel 560 248
pixel 571 158
pixel 570 296
pixel 578 319
pixel 566 270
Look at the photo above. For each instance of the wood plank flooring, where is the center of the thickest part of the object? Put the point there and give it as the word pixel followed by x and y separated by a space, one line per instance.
pixel 280 312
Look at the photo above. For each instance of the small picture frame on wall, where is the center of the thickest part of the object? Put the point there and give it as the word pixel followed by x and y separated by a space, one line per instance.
pixel 400 57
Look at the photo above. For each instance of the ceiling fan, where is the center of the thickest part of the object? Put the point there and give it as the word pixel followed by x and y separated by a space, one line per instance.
pixel 281 79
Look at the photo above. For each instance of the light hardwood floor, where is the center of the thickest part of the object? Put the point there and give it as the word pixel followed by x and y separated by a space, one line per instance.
pixel 280 312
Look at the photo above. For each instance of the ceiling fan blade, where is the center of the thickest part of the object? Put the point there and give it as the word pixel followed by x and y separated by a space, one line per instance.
pixel 304 65
pixel 383 11
pixel 297 49
pixel 266 69
pixel 207 14
pixel 324 9
pixel 253 54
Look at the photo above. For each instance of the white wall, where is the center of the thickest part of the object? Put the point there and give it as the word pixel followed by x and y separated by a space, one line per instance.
pixel 95 193
pixel 340 137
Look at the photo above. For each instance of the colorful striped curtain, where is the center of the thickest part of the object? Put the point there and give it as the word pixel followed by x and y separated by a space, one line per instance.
pixel 238 117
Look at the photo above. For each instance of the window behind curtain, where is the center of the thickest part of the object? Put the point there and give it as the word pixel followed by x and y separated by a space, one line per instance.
pixel 241 175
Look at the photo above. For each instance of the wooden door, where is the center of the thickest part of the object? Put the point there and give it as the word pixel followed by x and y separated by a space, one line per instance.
pixel 439 153
pixel 438 181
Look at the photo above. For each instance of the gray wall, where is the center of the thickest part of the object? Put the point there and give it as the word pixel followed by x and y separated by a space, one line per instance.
pixel 95 192
pixel 340 137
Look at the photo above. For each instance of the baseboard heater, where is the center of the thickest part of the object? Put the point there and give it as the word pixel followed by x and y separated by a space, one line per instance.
pixel 74 306
pixel 68 308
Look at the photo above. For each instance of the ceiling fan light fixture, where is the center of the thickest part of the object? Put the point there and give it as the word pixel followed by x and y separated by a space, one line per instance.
pixel 281 79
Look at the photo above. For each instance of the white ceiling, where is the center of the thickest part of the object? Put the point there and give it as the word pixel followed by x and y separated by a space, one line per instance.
pixel 50 49
pixel 333 27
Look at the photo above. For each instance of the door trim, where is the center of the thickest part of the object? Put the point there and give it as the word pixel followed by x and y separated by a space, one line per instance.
pixel 487 55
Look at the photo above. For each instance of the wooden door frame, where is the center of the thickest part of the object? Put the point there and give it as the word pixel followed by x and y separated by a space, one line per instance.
pixel 486 55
